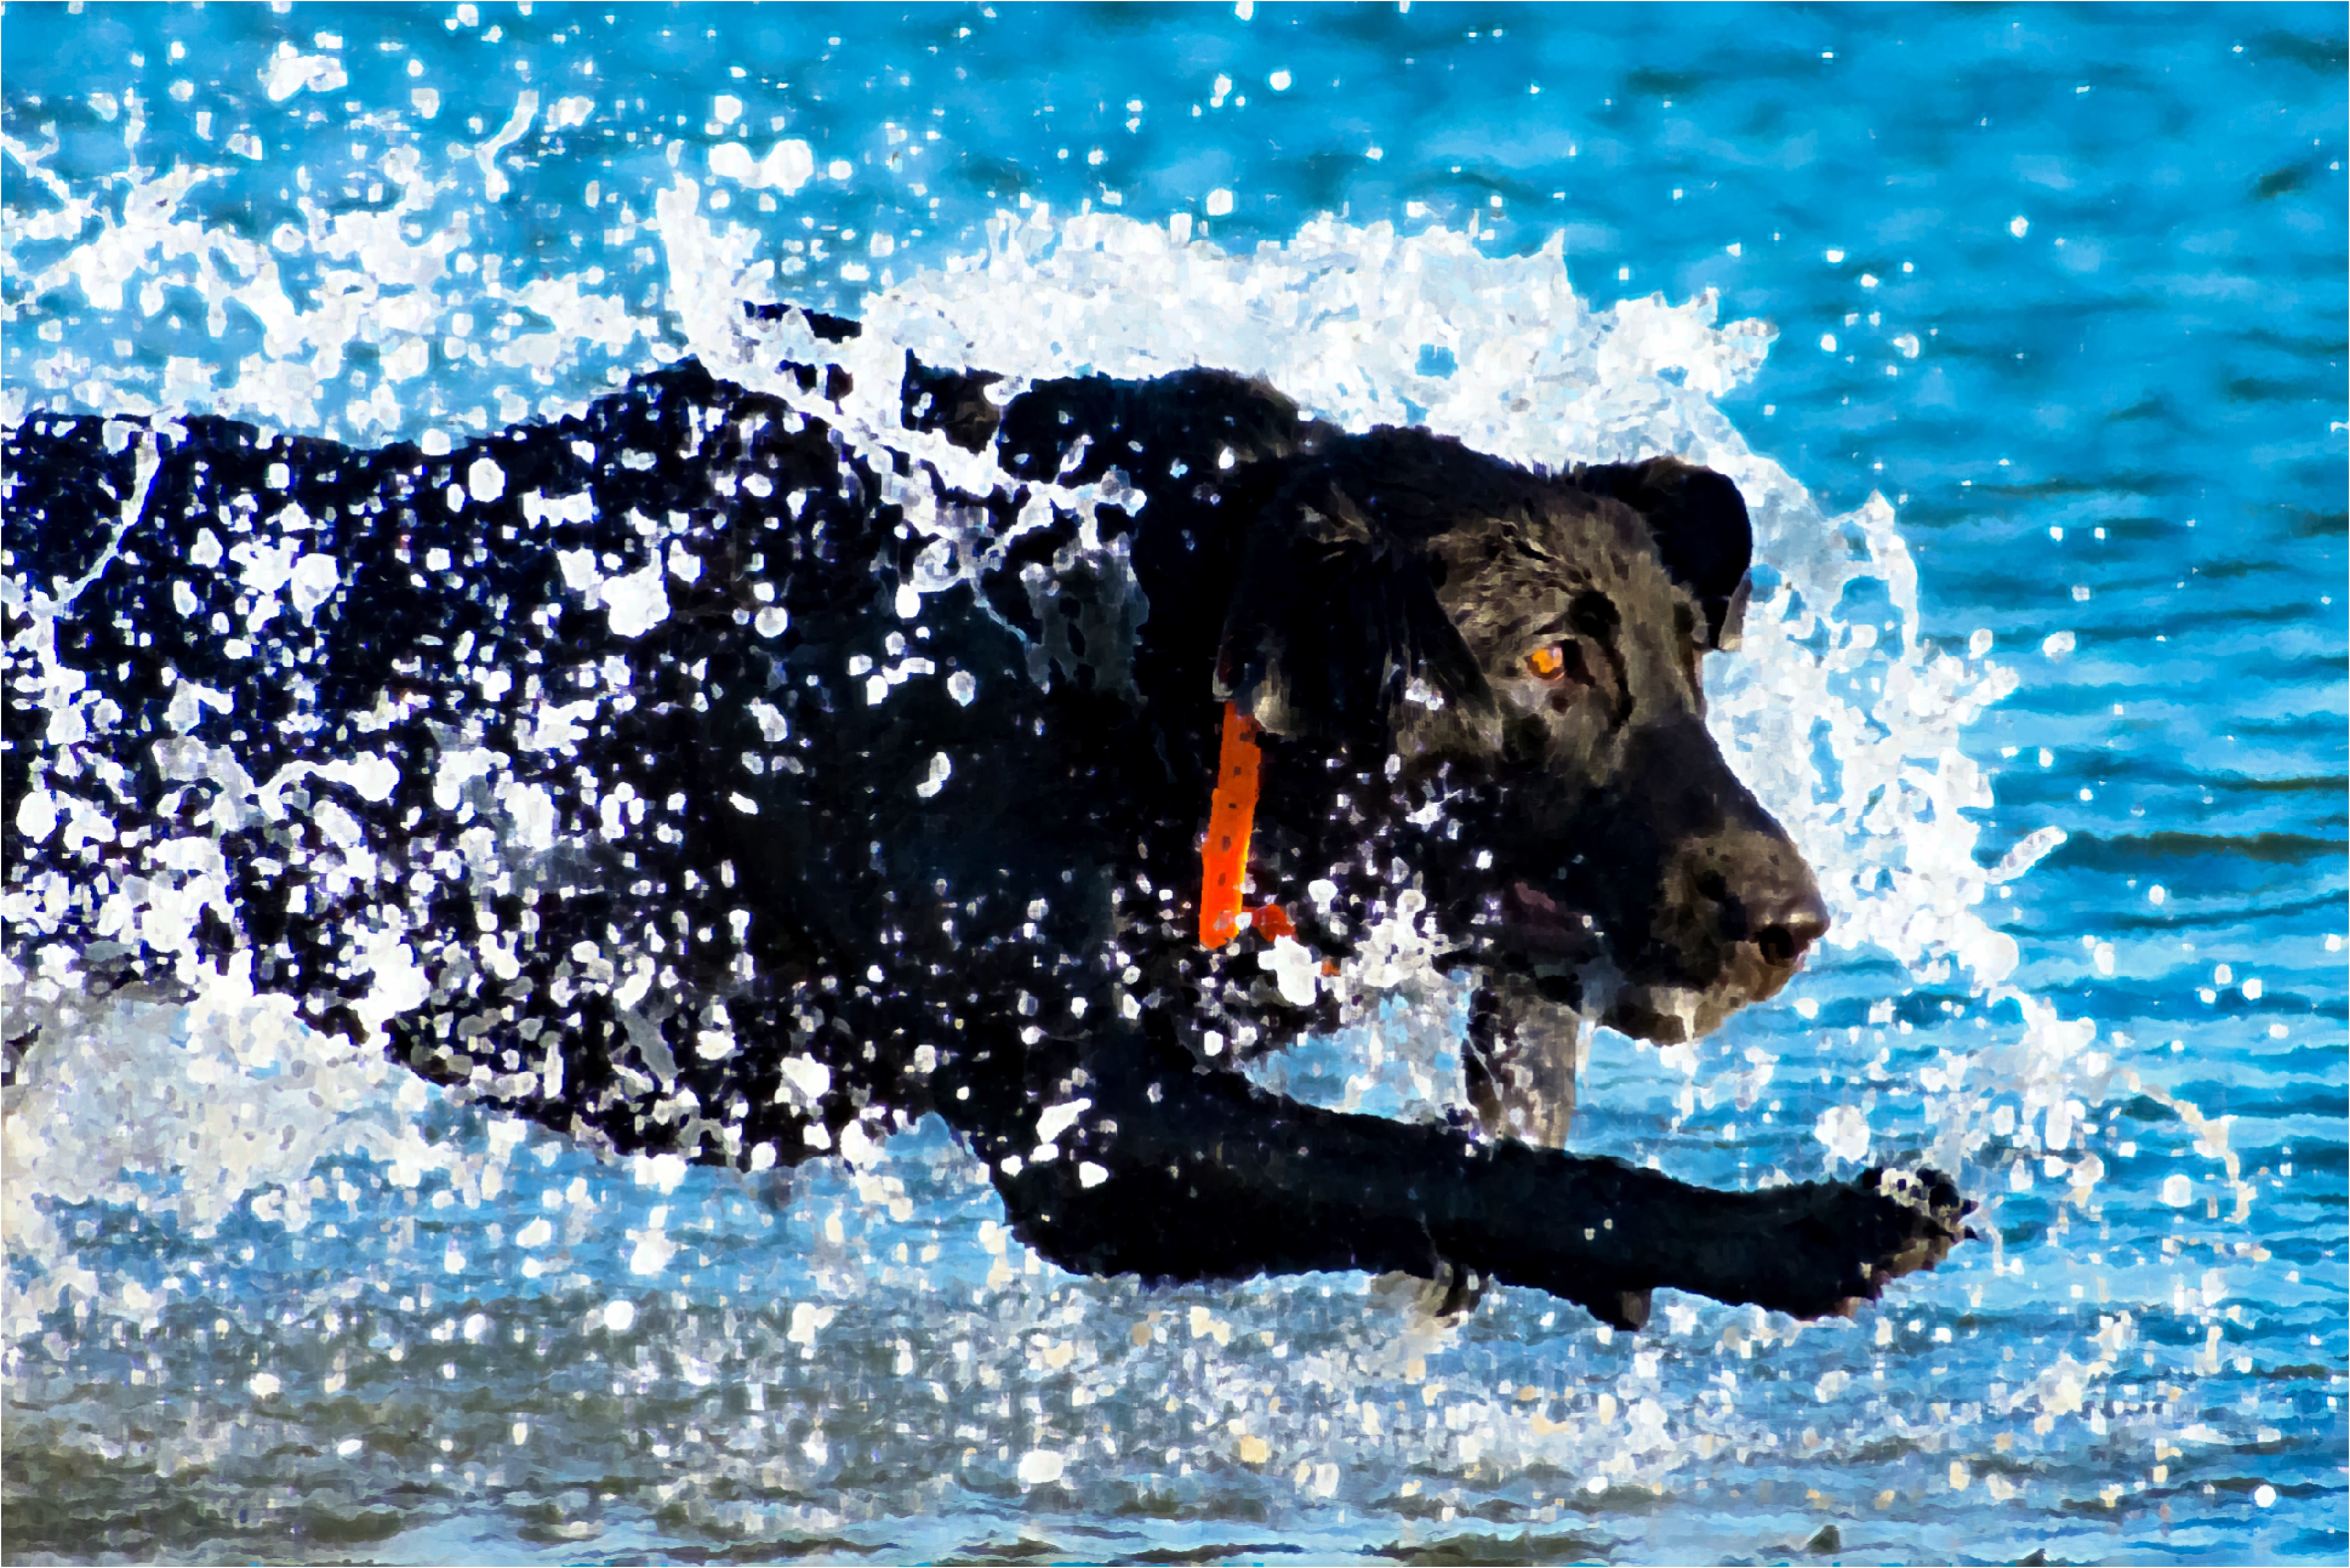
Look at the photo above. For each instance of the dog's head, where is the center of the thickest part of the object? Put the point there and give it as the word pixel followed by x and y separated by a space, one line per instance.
pixel 1523 653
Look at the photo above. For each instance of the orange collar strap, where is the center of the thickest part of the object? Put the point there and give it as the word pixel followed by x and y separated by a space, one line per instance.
pixel 1223 854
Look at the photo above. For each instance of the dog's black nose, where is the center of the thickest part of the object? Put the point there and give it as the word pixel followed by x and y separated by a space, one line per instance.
pixel 1786 932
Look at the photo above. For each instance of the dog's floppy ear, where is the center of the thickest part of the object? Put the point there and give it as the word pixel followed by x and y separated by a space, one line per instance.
pixel 1335 619
pixel 1700 526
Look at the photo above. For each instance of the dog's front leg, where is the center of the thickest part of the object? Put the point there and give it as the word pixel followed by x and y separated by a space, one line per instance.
pixel 1171 1172
pixel 1174 1172
pixel 1521 1059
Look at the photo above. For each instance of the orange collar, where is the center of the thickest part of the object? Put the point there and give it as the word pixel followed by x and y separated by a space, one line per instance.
pixel 1223 854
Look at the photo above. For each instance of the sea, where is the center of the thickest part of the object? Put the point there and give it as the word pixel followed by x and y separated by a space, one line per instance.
pixel 2022 329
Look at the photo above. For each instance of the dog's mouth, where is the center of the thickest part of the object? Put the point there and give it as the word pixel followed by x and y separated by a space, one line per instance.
pixel 1540 928
pixel 1552 938
pixel 1549 936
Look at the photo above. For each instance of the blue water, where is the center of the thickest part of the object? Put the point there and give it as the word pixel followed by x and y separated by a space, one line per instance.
pixel 2066 286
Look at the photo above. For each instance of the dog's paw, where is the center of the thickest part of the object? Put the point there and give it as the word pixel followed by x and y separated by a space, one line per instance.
pixel 1835 1245
pixel 1930 1221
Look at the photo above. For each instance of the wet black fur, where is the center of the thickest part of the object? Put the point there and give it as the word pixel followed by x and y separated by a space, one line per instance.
pixel 1022 937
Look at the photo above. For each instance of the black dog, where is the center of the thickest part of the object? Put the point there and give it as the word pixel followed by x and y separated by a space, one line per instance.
pixel 687 778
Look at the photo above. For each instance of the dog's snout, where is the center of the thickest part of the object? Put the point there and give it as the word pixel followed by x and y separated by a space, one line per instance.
pixel 1786 932
pixel 1757 890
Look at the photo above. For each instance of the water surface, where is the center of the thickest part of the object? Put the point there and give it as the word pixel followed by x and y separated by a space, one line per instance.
pixel 2042 412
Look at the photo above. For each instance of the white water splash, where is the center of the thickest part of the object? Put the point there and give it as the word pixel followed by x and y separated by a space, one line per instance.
pixel 192 1112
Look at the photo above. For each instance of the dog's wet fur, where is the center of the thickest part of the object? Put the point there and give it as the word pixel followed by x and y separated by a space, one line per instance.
pixel 810 856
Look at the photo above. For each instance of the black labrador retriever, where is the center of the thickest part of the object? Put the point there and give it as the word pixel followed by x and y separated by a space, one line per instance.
pixel 691 778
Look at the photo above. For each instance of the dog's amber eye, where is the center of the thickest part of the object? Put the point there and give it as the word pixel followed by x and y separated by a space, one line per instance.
pixel 1547 663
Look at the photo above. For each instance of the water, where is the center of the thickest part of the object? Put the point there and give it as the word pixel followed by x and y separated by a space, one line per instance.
pixel 2047 453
